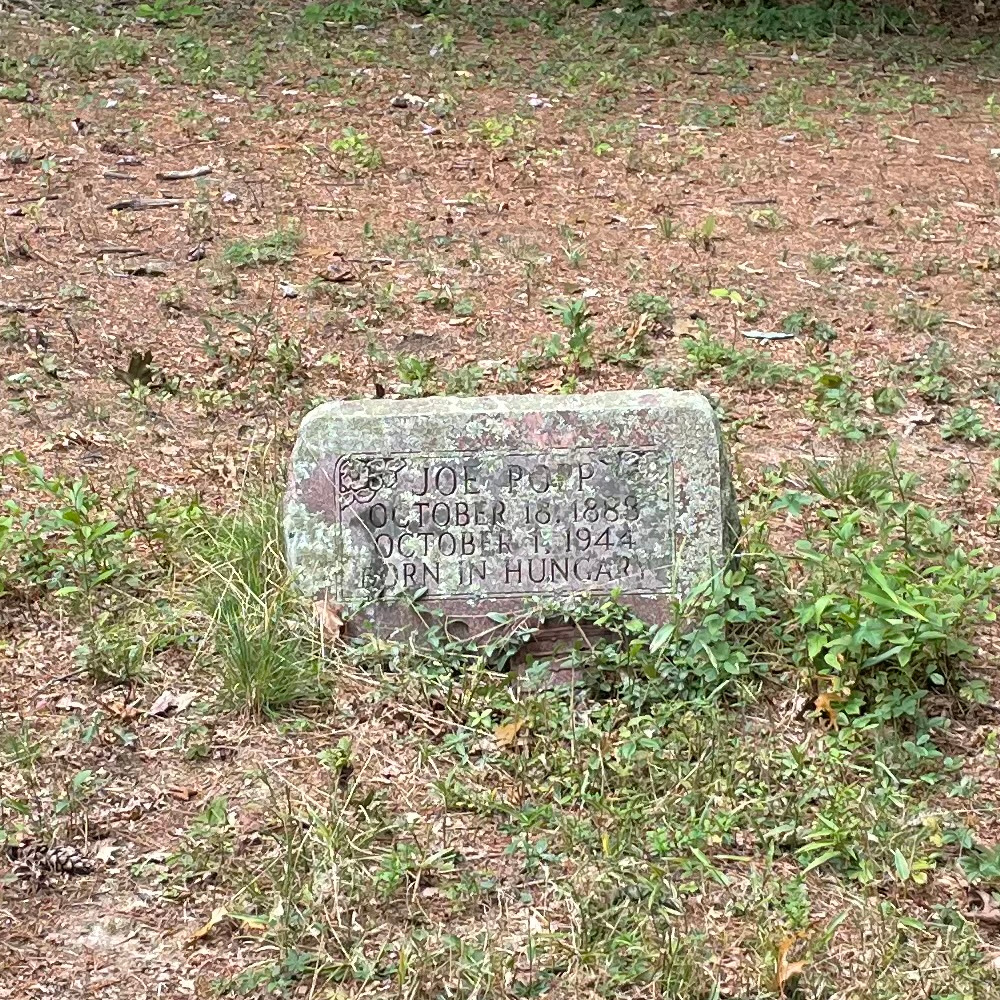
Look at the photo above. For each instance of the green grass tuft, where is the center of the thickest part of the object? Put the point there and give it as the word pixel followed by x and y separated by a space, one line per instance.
pixel 275 248
pixel 263 638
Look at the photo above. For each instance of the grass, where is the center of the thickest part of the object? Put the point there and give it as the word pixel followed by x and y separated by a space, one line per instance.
pixel 920 318
pixel 264 644
pixel 627 829
pixel 708 354
pixel 278 247
pixel 630 873
pixel 357 152
pixel 784 789
pixel 807 22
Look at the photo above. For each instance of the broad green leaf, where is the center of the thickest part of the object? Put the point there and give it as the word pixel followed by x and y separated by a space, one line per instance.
pixel 821 860
pixel 902 865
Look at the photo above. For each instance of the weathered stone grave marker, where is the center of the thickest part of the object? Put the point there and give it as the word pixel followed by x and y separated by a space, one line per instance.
pixel 476 505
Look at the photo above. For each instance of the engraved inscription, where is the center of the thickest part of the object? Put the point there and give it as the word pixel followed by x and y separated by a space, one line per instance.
pixel 482 525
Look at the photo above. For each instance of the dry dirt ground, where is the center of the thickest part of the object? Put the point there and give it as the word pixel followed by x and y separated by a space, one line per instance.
pixel 387 204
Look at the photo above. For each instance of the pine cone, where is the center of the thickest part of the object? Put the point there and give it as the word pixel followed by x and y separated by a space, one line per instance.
pixel 37 859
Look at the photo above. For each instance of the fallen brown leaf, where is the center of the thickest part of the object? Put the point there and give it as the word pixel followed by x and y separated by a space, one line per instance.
pixel 163 704
pixel 185 700
pixel 331 623
pixel 827 702
pixel 910 421
pixel 787 970
pixel 120 708
pixel 506 736
pixel 219 914
pixel 990 912
pixel 684 326
pixel 168 701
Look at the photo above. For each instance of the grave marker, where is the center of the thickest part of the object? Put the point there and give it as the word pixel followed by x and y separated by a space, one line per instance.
pixel 477 505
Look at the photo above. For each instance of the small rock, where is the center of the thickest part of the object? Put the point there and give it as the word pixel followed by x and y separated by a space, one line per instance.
pixel 410 101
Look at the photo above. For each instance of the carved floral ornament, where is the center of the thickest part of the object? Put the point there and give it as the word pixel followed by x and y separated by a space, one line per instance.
pixel 360 478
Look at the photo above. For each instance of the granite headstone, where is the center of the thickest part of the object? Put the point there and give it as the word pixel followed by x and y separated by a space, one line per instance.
pixel 473 506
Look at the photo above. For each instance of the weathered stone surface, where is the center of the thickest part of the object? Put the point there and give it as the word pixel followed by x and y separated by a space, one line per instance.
pixel 473 506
